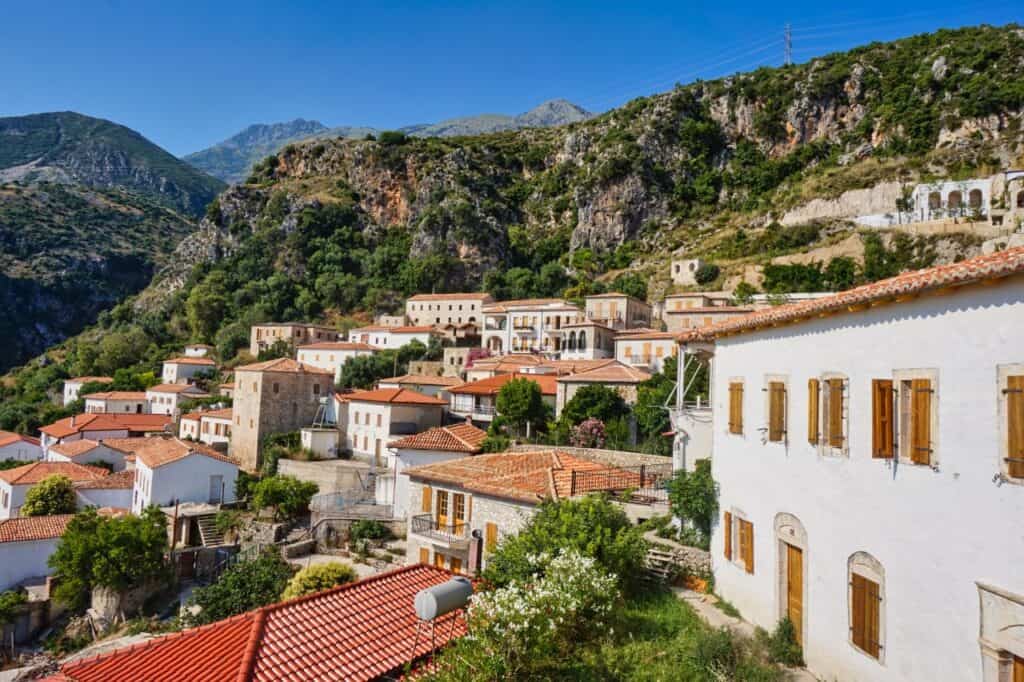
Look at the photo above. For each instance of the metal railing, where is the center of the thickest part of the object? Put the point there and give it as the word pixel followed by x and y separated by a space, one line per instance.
pixel 639 359
pixel 451 533
pixel 647 482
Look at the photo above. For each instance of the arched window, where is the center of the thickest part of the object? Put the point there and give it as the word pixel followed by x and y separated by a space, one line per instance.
pixel 934 201
pixel 582 340
pixel 955 200
pixel 1020 199
pixel 866 604
pixel 974 198
pixel 572 341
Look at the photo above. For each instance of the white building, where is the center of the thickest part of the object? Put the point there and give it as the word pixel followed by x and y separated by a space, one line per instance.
pixel 438 444
pixel 332 355
pixel 427 384
pixel 438 309
pixel 26 545
pixel 169 470
pixel 646 350
pixel 527 325
pixel 391 338
pixel 117 402
pixel 87 451
pixel 100 427
pixel 14 483
pixel 587 340
pixel 165 398
pixel 198 350
pixel 869 449
pixel 207 426
pixel 73 386
pixel 478 400
pixel 374 418
pixel 623 379
pixel 183 370
pixel 684 271
pixel 18 447
pixel 110 492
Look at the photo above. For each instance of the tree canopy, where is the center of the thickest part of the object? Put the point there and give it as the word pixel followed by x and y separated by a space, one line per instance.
pixel 520 402
pixel 53 495
pixel 595 401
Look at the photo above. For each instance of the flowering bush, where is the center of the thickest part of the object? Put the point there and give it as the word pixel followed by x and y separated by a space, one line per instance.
pixel 519 630
pixel 588 434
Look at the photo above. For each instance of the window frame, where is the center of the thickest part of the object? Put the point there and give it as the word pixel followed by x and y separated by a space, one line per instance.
pixel 903 382
pixel 1003 373
pixel 733 428
pixel 826 445
pixel 769 380
pixel 867 567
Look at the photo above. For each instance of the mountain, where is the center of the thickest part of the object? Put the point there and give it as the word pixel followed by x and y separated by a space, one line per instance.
pixel 89 210
pixel 71 148
pixel 734 171
pixel 232 159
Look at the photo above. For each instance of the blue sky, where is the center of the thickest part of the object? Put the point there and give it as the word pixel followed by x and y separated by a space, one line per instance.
pixel 188 74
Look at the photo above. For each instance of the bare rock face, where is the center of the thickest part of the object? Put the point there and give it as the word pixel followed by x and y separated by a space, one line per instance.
pixel 613 215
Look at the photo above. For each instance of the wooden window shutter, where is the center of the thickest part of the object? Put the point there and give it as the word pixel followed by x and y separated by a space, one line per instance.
pixel 921 421
pixel 491 536
pixel 813 394
pixel 428 495
pixel 776 410
pixel 735 407
pixel 1015 425
pixel 727 523
pixel 835 413
pixel 865 616
pixel 748 545
pixel 882 408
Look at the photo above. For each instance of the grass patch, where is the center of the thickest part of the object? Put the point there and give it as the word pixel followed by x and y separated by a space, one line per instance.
pixel 727 608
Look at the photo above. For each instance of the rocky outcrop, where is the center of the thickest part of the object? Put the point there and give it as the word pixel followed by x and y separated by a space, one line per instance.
pixel 870 201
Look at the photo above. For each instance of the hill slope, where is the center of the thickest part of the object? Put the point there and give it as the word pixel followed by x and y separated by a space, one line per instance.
pixel 332 228
pixel 88 211
pixel 233 159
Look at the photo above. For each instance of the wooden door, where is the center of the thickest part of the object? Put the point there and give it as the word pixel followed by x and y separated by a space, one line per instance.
pixel 458 512
pixel 442 509
pixel 795 589
pixel 1018 669
pixel 424 555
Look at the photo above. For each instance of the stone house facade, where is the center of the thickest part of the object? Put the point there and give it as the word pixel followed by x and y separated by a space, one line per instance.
pixel 263 336
pixel 443 309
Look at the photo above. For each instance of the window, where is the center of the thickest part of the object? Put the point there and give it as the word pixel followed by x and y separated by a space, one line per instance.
pixel 776 411
pixel 276 387
pixel 882 426
pixel 813 395
pixel 736 407
pixel 727 523
pixel 1011 408
pixel 918 416
pixel 379 418
pixel 316 389
pixel 745 534
pixel 866 599
pixel 355 417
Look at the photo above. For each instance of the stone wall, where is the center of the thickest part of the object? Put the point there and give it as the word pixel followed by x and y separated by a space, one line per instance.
pixel 330 475
pixel 333 532
pixel 262 533
pixel 426 367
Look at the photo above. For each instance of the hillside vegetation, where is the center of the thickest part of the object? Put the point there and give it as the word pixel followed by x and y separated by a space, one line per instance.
pixel 333 228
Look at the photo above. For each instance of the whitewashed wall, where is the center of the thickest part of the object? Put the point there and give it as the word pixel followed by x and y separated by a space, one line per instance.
pixel 21 560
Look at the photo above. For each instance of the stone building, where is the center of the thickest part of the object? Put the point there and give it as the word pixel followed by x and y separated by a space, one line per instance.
pixel 621 378
pixel 617 311
pixel 265 335
pixel 275 396
pixel 440 309
pixel 684 272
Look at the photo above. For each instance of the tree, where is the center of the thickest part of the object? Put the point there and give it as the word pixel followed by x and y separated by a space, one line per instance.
pixel 521 402
pixel 707 273
pixel 53 495
pixel 11 602
pixel 589 433
pixel 594 401
pixel 631 284
pixel 593 526
pixel 243 587
pixel 743 293
pixel 317 578
pixel 206 306
pixel 288 496
pixel 651 397
pixel 99 551
pixel 693 498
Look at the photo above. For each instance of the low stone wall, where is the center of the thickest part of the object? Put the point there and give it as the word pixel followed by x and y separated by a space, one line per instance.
pixel 298 549
pixel 109 605
pixel 262 533
pixel 612 458
pixel 330 475
pixel 333 532
pixel 32 618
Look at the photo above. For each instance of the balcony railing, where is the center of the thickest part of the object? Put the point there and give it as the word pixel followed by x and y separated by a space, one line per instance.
pixel 452 534
pixel 473 409
pixel 647 483
pixel 639 359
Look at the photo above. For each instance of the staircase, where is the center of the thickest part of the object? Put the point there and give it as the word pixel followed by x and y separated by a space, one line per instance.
pixel 660 566
pixel 208 531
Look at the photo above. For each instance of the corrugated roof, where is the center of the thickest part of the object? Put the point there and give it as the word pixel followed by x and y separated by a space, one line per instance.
pixel 895 289
pixel 457 438
pixel 355 632
pixel 29 528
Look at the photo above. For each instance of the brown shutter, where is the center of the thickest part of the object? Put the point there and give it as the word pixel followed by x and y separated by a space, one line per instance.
pixel 428 495
pixel 749 558
pixel 882 430
pixel 865 616
pixel 776 410
pixel 728 535
pixel 1015 425
pixel 813 393
pixel 490 536
pixel 921 421
pixel 835 413
pixel 736 407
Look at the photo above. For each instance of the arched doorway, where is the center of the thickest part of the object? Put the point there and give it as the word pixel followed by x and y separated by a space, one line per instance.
pixel 975 198
pixel 791 544
pixel 955 201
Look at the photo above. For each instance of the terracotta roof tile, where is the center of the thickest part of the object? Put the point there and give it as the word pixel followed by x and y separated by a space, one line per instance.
pixel 9 437
pixel 355 632
pixel 411 330
pixel 491 385
pixel 283 365
pixel 422 380
pixel 979 269
pixel 456 438
pixel 82 423
pixel 29 528
pixel 713 309
pixel 338 345
pixel 90 380
pixel 121 480
pixel 75 448
pixel 650 335
pixel 449 297
pixel 33 473
pixel 117 395
pixel 176 388
pixel 394 396
pixel 523 476
pixel 617 373
pixel 156 452
pixel 190 361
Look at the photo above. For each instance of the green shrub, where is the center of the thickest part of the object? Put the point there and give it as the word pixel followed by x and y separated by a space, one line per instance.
pixel 242 587
pixel 288 496
pixel 391 138
pixel 53 495
pixel 368 529
pixel 319 577
pixel 707 273
pixel 11 602
pixel 782 645
pixel 693 498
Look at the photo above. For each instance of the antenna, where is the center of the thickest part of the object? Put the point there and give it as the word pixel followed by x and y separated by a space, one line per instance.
pixel 787 39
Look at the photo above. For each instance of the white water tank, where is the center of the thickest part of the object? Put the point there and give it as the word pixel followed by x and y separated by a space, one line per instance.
pixel 441 599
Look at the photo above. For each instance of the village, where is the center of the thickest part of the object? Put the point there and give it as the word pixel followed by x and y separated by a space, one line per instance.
pixel 840 481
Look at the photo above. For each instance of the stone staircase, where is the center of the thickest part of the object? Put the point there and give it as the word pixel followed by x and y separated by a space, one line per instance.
pixel 208 531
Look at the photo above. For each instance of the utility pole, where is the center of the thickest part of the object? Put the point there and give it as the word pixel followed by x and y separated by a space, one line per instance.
pixel 788 50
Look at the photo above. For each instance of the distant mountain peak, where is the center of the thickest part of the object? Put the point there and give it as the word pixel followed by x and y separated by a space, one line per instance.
pixel 554 112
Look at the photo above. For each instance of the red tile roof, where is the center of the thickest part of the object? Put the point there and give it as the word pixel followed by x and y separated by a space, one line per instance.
pixel 121 480
pixel 190 361
pixel 522 476
pixel 456 438
pixel 617 373
pixel 33 473
pixel 448 297
pixel 9 437
pixel 29 528
pixel 422 380
pixel 283 365
pixel 491 385
pixel 411 330
pixel 338 345
pixel 973 270
pixel 355 632
pixel 156 452
pixel 75 448
pixel 90 380
pixel 176 388
pixel 117 395
pixel 81 423
pixel 644 336
pixel 394 396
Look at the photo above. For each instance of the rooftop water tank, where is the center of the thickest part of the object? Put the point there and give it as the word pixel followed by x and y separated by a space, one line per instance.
pixel 441 599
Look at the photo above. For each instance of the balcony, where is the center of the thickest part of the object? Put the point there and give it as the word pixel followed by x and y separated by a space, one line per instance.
pixel 639 360
pixel 454 536
pixel 495 325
